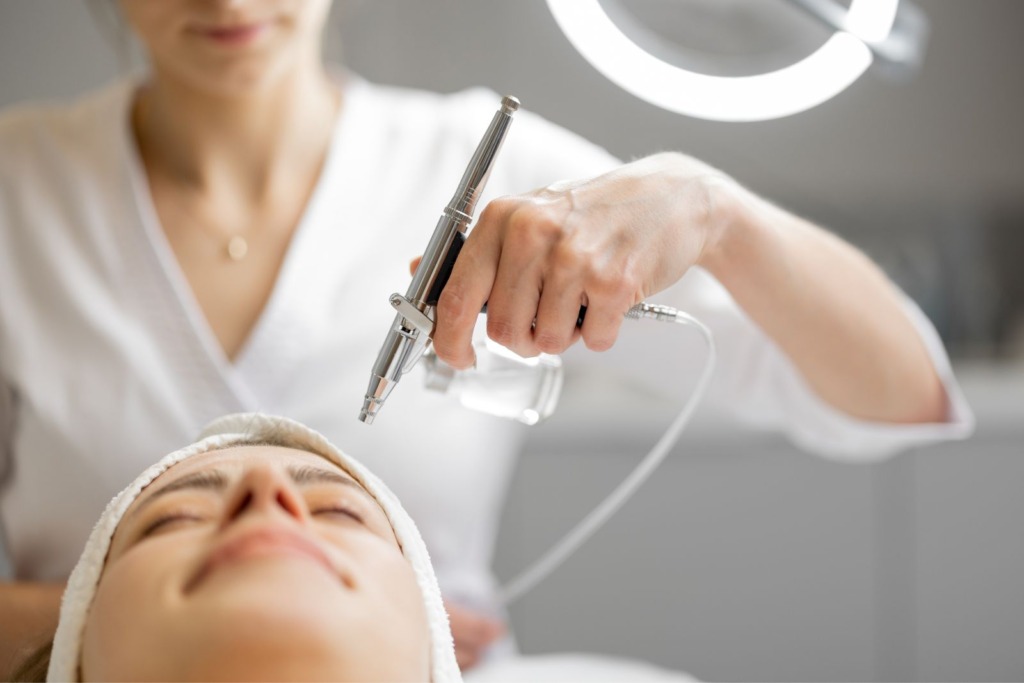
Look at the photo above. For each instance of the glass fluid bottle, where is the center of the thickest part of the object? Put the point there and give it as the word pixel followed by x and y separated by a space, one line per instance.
pixel 502 383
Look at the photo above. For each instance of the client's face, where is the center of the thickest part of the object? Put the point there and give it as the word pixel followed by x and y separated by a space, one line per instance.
pixel 256 562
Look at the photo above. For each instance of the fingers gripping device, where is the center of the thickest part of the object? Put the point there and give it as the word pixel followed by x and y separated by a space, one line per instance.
pixel 411 332
pixel 410 335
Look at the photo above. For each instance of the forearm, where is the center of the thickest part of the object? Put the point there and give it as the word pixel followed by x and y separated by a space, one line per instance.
pixel 829 309
pixel 29 615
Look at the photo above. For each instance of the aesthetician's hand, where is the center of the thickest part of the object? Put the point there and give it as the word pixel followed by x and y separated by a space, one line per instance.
pixel 473 633
pixel 606 243
pixel 614 240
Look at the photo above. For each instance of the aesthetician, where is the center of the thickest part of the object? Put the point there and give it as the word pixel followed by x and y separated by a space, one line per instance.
pixel 221 234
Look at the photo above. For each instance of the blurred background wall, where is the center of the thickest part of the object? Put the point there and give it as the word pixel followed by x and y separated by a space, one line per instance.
pixel 744 559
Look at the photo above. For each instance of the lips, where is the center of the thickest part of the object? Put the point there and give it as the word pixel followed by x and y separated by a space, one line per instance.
pixel 266 542
pixel 237 34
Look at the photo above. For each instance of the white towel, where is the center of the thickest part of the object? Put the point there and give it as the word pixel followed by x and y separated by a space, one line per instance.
pixel 223 433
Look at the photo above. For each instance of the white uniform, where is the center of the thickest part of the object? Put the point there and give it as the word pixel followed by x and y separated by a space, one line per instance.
pixel 107 362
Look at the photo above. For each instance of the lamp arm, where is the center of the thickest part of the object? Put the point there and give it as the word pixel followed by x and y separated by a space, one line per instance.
pixel 902 50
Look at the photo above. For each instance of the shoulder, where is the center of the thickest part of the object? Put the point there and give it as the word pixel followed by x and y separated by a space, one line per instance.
pixel 537 151
pixel 427 101
pixel 61 165
pixel 456 115
pixel 47 134
pixel 463 112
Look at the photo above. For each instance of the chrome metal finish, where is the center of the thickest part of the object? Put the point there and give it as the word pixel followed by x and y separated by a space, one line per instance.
pixel 652 311
pixel 410 332
pixel 414 316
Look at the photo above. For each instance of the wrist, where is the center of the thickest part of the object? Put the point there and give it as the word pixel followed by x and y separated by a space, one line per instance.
pixel 729 223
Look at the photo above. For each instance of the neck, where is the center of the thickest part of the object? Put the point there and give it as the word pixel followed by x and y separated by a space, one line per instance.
pixel 207 139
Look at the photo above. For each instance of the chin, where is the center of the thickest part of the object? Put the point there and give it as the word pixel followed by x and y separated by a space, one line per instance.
pixel 234 75
pixel 282 653
pixel 303 610
pixel 238 80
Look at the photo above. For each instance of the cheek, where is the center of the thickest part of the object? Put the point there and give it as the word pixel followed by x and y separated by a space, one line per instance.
pixel 302 23
pixel 407 591
pixel 132 603
pixel 394 585
pixel 152 22
pixel 314 13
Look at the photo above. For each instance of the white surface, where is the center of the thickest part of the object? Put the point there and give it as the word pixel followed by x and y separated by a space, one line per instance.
pixel 573 667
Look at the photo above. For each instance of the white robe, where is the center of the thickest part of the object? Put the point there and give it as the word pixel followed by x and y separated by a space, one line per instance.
pixel 107 362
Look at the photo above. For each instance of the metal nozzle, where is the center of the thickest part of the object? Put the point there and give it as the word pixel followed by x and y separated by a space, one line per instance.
pixel 410 332
pixel 375 396
pixel 369 410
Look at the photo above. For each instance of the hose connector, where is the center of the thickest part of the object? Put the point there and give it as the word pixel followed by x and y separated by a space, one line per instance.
pixel 652 311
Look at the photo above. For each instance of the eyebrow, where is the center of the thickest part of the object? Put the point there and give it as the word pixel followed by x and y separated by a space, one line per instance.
pixel 213 480
pixel 216 480
pixel 307 474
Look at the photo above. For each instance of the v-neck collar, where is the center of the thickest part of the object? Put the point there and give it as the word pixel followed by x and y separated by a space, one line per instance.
pixel 267 341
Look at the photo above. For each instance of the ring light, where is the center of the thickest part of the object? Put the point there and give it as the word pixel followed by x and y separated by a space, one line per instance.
pixel 790 90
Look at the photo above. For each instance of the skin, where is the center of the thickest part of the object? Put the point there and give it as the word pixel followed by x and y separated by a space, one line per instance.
pixel 232 135
pixel 612 241
pixel 233 139
pixel 204 582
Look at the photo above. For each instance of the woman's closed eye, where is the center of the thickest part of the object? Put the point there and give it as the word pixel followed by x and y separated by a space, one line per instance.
pixel 337 512
pixel 170 521
pixel 341 508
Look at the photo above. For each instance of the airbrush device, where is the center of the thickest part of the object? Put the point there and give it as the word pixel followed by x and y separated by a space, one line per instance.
pixel 409 337
pixel 410 334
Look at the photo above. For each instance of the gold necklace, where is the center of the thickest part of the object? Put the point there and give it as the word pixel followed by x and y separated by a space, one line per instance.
pixel 237 248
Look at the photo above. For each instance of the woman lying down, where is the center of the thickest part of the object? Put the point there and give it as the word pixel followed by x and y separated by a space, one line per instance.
pixel 262 552
pixel 166 588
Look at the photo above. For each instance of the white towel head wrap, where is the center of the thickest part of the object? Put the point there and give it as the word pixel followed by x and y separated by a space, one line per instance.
pixel 224 433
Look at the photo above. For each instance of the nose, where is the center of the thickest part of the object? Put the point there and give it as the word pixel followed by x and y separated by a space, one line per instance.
pixel 265 490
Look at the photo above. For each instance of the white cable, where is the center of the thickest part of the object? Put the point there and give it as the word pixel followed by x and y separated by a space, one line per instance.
pixel 568 544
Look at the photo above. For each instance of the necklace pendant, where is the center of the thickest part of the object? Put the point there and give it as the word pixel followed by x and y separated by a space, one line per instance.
pixel 237 248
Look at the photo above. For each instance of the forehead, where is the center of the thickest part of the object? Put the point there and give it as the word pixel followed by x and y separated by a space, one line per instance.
pixel 239 459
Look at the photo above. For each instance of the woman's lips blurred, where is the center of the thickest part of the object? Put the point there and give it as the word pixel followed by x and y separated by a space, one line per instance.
pixel 260 543
pixel 242 34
